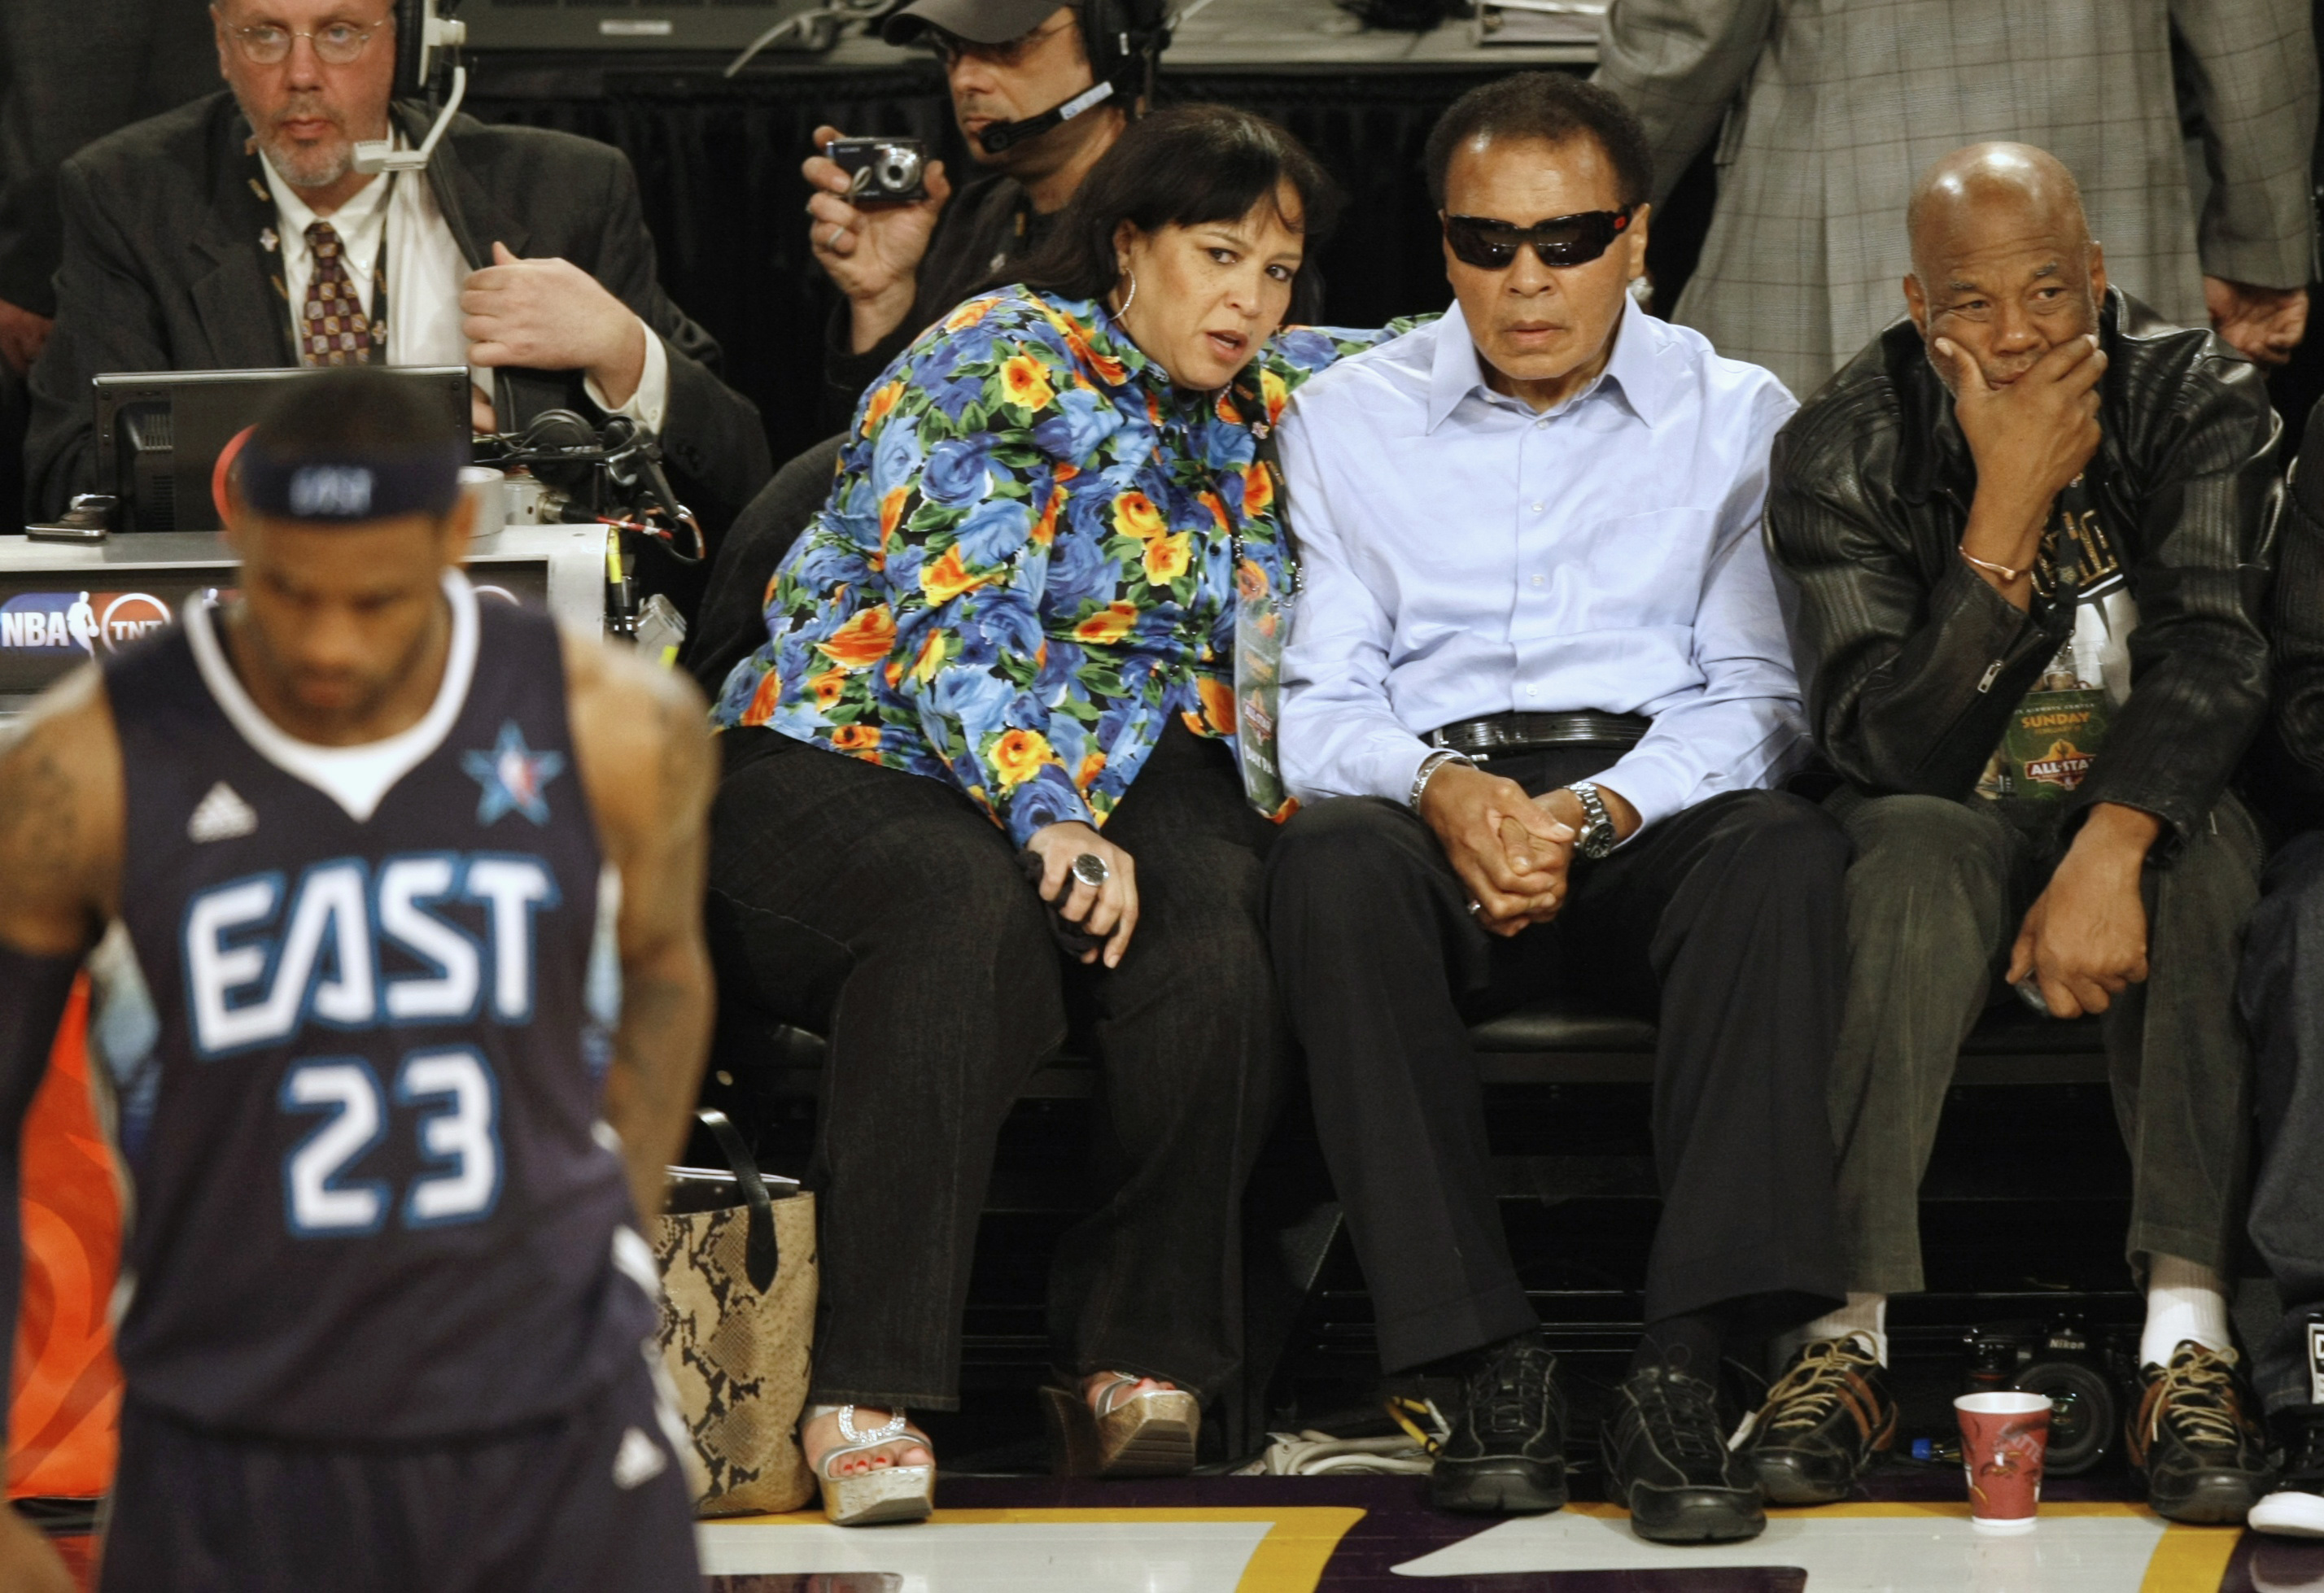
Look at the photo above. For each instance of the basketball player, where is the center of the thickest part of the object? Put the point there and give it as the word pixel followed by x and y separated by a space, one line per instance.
pixel 380 861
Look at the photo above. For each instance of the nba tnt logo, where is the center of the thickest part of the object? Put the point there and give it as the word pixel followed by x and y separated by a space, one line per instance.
pixel 63 622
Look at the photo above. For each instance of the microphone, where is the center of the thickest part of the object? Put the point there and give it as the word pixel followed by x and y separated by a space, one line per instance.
pixel 436 41
pixel 1007 135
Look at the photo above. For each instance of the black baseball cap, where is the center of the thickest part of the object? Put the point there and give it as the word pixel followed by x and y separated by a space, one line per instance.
pixel 980 21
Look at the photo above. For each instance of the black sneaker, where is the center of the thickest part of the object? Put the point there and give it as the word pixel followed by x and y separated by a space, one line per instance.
pixel 1506 1451
pixel 2295 1509
pixel 1666 1458
pixel 2193 1437
pixel 1821 1424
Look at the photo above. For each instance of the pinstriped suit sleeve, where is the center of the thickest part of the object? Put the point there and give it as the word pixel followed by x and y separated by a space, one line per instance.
pixel 1678 65
pixel 2255 74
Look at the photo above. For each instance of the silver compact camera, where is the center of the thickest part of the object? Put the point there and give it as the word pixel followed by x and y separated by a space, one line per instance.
pixel 882 170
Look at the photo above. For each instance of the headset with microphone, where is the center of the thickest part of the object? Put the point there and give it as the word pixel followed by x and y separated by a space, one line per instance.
pixel 427 40
pixel 1124 39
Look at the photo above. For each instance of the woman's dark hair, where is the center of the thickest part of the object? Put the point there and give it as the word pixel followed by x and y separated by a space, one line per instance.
pixel 1179 167
pixel 1552 106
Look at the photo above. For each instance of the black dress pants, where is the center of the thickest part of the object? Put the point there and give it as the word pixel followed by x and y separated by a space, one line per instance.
pixel 886 912
pixel 1722 922
pixel 2283 1001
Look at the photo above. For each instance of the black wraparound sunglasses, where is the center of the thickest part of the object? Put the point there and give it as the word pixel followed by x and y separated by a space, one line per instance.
pixel 1563 240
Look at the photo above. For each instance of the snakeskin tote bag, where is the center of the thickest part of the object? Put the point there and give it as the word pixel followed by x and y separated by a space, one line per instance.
pixel 738 1266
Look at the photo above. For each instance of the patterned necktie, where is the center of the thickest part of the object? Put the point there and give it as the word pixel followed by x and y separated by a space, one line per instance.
pixel 335 330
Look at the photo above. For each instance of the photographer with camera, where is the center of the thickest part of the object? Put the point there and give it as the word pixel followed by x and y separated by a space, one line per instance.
pixel 1025 76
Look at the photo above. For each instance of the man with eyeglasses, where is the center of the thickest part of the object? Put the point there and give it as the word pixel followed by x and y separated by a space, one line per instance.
pixel 899 268
pixel 235 232
pixel 1537 694
pixel 2030 524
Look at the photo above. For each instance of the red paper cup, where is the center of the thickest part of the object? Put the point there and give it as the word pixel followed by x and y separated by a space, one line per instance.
pixel 2003 1438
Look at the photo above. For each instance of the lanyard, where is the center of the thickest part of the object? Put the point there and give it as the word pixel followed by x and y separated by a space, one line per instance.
pixel 378 312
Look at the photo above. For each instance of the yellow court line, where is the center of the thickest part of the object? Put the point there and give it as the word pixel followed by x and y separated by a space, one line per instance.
pixel 1299 1542
pixel 2191 1560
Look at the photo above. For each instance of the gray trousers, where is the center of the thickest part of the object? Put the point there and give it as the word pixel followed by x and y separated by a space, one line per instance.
pixel 1935 897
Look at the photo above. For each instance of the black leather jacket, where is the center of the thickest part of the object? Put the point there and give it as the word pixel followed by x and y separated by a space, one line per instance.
pixel 1912 664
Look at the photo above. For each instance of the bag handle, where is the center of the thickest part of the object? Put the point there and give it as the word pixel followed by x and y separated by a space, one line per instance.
pixel 762 1258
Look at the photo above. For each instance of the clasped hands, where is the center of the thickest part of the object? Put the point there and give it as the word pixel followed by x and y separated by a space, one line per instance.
pixel 1514 852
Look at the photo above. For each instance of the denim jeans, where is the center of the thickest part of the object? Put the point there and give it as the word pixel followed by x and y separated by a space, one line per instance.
pixel 1935 897
pixel 886 912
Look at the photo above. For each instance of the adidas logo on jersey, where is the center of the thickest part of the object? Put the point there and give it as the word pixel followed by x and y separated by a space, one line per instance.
pixel 222 816
pixel 639 1460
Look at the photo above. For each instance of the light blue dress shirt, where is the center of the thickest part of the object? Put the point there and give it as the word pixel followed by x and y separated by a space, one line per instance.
pixel 1465 556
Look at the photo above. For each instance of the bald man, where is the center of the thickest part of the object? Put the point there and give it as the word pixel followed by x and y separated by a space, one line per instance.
pixel 2028 524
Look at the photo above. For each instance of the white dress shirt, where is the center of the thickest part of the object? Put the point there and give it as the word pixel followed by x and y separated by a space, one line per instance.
pixel 425 274
pixel 1465 556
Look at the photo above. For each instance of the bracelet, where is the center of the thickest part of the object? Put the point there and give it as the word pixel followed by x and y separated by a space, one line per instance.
pixel 1428 770
pixel 2003 570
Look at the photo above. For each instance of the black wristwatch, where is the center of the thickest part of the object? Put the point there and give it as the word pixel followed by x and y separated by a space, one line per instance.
pixel 1597 838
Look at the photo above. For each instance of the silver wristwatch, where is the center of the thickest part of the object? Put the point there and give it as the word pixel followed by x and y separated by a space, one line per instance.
pixel 1597 838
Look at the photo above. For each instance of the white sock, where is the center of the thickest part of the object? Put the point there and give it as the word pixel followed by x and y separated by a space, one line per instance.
pixel 2184 1302
pixel 1865 1317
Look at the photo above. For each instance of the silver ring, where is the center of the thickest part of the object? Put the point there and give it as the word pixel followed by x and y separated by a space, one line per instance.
pixel 1089 869
pixel 837 229
pixel 1475 908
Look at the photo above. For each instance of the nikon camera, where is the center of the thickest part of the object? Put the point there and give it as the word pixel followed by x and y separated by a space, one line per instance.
pixel 2083 1374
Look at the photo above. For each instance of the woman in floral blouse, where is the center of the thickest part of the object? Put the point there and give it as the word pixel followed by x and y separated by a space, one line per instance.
pixel 1011 627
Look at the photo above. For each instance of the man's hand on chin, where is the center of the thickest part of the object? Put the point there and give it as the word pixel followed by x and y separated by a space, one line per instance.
pixel 551 315
pixel 2084 940
pixel 1509 852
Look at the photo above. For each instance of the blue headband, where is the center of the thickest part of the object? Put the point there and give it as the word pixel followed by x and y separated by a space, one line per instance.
pixel 349 487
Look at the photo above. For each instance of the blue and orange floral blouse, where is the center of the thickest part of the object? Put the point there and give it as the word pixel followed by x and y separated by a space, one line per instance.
pixel 1027 565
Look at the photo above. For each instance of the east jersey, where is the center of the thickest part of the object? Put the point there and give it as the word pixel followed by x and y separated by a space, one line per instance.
pixel 355 1056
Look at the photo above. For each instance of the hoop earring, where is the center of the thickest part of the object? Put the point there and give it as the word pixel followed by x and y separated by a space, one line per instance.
pixel 1126 303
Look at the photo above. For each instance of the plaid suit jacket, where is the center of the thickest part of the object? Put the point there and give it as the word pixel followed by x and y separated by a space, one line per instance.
pixel 1832 108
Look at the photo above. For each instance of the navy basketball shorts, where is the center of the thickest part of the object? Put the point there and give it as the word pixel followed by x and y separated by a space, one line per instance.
pixel 595 1499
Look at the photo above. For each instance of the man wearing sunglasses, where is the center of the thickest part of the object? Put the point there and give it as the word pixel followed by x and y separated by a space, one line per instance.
pixel 235 232
pixel 2029 524
pixel 1011 65
pixel 1536 693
